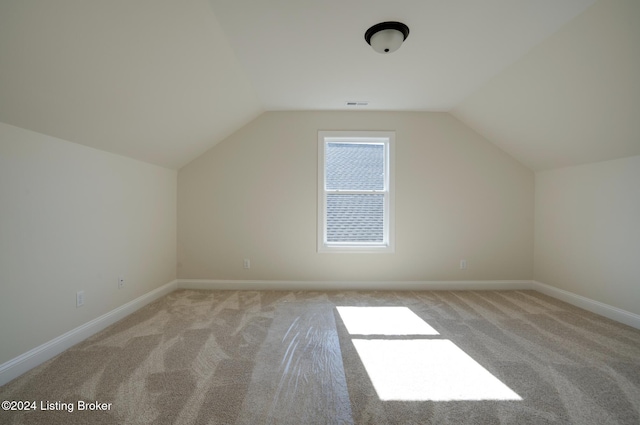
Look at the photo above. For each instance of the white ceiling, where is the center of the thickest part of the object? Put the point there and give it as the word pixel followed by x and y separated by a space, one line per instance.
pixel 312 54
pixel 164 80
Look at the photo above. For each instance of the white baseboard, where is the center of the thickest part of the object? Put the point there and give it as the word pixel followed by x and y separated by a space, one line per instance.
pixel 593 306
pixel 32 358
pixel 38 355
pixel 289 285
pixel 588 304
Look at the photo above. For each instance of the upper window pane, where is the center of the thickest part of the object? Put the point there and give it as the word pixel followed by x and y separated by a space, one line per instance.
pixel 354 166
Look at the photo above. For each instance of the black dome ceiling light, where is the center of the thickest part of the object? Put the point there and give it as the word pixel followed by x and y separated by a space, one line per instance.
pixel 387 37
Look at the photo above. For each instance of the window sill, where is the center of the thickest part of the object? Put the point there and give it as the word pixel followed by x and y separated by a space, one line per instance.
pixel 345 249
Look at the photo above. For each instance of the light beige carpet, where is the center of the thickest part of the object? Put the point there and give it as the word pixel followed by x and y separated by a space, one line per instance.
pixel 249 357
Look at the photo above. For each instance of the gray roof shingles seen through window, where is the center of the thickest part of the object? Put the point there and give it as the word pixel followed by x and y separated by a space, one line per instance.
pixel 355 217
pixel 355 166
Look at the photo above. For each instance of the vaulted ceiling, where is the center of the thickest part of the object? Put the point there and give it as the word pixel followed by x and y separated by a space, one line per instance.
pixel 553 83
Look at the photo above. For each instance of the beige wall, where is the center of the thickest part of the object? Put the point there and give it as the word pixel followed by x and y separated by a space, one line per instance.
pixel 254 196
pixel 587 231
pixel 74 218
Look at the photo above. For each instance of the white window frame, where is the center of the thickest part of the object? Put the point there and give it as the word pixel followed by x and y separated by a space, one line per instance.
pixel 387 138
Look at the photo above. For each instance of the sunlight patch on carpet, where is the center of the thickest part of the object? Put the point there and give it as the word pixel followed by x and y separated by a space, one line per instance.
pixel 384 321
pixel 423 369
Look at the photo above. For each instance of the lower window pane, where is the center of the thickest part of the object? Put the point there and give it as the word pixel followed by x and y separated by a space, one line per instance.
pixel 355 218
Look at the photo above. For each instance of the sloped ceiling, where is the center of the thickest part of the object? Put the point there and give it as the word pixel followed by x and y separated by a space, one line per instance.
pixel 573 99
pixel 154 80
pixel 164 80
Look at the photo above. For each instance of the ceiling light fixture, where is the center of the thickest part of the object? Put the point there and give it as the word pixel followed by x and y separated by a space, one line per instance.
pixel 387 37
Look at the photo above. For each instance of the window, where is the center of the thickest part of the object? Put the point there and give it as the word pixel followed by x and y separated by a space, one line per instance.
pixel 355 191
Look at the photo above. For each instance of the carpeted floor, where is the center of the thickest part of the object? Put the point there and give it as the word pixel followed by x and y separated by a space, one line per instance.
pixel 249 357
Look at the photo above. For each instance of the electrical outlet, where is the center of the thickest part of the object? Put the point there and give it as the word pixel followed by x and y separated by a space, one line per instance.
pixel 463 264
pixel 120 282
pixel 79 299
pixel 246 264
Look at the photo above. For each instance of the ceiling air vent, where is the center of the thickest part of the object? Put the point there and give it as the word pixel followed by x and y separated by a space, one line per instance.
pixel 358 103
